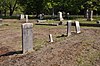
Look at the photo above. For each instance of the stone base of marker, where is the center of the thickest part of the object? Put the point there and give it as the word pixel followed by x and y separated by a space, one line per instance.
pixel 26 18
pixel 40 21
pixel 27 37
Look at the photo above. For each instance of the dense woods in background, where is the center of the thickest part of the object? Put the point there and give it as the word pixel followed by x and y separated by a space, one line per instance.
pixel 51 7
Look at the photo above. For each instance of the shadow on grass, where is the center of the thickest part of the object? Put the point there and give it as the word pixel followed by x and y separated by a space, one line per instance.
pixel 87 24
pixel 11 53
pixel 61 36
pixel 48 24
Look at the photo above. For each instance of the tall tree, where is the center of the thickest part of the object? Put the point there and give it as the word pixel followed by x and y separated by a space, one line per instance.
pixel 11 4
pixel 91 5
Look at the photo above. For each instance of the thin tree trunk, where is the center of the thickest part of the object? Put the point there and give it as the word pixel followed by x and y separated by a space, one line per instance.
pixel 0 13
pixel 12 8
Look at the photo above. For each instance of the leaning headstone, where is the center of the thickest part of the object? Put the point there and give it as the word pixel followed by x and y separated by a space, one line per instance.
pixel 21 16
pixel 77 27
pixel 50 38
pixel 60 16
pixel 26 18
pixel 89 15
pixel 69 28
pixel 27 37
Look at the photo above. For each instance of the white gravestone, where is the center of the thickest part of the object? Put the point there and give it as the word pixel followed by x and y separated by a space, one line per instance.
pixel 41 16
pixel 27 37
pixel 22 16
pixel 60 16
pixel 26 18
pixel 77 27
pixel 69 28
pixel 87 14
pixel 50 38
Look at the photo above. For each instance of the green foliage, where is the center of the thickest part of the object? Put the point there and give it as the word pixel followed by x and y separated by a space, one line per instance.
pixel 47 6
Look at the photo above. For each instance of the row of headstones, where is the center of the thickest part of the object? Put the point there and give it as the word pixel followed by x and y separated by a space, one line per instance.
pixel 41 16
pixel 27 35
pixel 22 16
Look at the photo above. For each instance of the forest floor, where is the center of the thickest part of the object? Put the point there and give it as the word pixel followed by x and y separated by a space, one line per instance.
pixel 76 50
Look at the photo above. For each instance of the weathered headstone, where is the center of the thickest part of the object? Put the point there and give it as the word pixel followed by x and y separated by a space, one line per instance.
pixel 60 16
pixel 69 28
pixel 50 38
pixel 77 27
pixel 21 16
pixel 89 15
pixel 67 15
pixel 26 18
pixel 41 16
pixel 27 37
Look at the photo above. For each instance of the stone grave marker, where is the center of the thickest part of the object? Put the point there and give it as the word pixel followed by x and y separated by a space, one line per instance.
pixel 77 27
pixel 69 28
pixel 60 16
pixel 50 38
pixel 41 16
pixel 26 18
pixel 27 37
pixel 21 16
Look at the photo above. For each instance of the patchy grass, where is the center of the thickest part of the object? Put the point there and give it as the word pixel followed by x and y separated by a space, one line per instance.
pixel 76 50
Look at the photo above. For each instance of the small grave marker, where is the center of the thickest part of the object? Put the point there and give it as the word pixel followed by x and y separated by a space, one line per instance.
pixel 26 18
pixel 50 38
pixel 27 37
pixel 21 16
pixel 60 16
pixel 69 28
pixel 77 27
pixel 41 16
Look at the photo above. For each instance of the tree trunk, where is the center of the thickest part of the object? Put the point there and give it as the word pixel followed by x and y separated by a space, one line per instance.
pixel 12 8
pixel 11 13
pixel 0 13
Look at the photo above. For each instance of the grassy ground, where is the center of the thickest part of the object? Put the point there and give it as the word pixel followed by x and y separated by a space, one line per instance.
pixel 76 50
